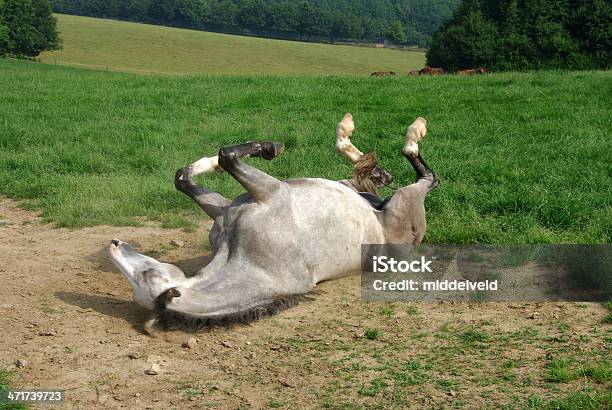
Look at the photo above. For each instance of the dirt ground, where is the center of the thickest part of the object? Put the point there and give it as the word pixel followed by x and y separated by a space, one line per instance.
pixel 68 313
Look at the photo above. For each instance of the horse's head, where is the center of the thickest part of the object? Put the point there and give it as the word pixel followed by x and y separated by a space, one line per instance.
pixel 148 277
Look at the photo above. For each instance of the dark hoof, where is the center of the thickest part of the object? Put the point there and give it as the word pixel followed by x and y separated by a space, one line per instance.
pixel 270 149
pixel 182 178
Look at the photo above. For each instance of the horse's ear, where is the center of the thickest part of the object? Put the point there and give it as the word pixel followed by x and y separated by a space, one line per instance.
pixel 166 297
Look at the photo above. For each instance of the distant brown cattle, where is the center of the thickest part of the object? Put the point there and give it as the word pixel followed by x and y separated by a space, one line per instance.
pixel 414 72
pixel 432 71
pixel 383 74
pixel 479 70
pixel 466 72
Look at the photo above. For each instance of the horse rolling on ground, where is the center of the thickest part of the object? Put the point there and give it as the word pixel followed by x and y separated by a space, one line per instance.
pixel 274 243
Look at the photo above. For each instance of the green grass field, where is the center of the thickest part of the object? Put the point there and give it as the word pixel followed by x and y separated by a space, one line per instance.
pixel 523 158
pixel 122 46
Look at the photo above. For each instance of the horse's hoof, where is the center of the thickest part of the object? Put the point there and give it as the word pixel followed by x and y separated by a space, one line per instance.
pixel 416 132
pixel 182 177
pixel 270 149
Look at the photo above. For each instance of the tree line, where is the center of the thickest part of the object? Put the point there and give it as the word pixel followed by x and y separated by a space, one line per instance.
pixel 525 35
pixel 410 22
pixel 27 27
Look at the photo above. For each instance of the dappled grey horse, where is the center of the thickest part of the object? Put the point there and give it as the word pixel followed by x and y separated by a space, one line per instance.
pixel 274 243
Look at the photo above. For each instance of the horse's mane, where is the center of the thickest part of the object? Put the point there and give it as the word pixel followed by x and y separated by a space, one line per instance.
pixel 362 173
pixel 168 320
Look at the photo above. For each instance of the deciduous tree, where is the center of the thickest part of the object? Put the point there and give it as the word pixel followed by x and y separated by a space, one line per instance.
pixel 27 27
pixel 396 32
pixel 525 35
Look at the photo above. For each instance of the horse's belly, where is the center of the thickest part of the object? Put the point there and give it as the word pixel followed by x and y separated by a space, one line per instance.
pixel 333 223
pixel 315 235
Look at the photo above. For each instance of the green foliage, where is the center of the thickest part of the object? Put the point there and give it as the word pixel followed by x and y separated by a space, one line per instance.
pixel 411 21
pixel 27 27
pixel 373 334
pixel 274 403
pixel 4 36
pixel 593 400
pixel 525 35
pixel 46 25
pixel 396 32
pixel 475 338
pixel 376 386
pixel 560 371
pixel 461 45
pixel 387 311
pixel 565 370
pixel 251 15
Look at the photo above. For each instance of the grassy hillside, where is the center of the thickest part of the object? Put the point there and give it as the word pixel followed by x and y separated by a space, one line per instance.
pixel 522 157
pixel 123 46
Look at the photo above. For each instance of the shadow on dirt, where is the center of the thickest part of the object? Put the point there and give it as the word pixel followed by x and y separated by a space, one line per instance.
pixel 108 306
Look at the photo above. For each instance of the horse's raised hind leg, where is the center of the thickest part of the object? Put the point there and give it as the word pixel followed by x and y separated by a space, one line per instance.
pixel 211 202
pixel 260 185
pixel 404 215
pixel 416 131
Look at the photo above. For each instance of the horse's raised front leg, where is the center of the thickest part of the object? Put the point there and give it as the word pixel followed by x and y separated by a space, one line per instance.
pixel 404 216
pixel 260 185
pixel 211 202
